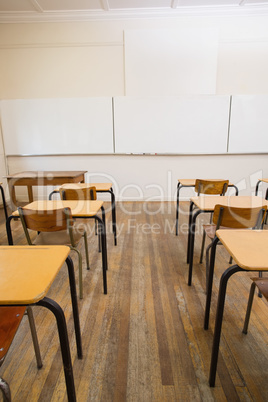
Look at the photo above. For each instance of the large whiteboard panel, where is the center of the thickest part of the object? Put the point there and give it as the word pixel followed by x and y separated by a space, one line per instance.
pixel 171 62
pixel 57 126
pixel 193 124
pixel 249 124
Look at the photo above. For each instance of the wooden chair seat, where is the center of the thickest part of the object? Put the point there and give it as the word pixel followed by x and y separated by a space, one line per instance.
pixel 262 285
pixel 10 319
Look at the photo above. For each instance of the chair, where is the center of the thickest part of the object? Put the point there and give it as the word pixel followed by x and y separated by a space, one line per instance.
pixel 10 319
pixel 235 218
pixel 79 193
pixel 54 227
pixel 209 187
pixel 262 285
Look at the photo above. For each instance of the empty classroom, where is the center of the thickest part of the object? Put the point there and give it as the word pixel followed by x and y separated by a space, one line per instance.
pixel 141 108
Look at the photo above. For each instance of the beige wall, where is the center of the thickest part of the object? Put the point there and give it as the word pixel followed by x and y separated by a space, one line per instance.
pixel 43 60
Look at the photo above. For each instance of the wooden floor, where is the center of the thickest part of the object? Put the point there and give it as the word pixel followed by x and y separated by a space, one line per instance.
pixel 144 341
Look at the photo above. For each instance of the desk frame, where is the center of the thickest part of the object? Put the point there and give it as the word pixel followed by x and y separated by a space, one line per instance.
pixel 111 192
pixel 4 201
pixel 55 308
pixel 103 240
pixel 257 187
pixel 41 178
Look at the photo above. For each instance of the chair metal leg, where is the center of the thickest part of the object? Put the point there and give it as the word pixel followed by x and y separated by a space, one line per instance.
pixel 86 249
pixel 80 266
pixel 210 281
pixel 34 337
pixel 250 301
pixel 259 292
pixel 207 264
pixel 5 390
pixel 202 247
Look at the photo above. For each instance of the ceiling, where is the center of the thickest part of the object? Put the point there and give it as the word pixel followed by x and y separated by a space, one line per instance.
pixel 61 10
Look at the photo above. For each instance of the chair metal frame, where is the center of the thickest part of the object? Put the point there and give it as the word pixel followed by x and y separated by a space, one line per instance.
pixel 63 222
pixel 15 315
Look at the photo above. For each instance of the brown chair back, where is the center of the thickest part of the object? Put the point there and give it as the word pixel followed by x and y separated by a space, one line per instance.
pixel 238 218
pixel 216 187
pixel 47 220
pixel 75 193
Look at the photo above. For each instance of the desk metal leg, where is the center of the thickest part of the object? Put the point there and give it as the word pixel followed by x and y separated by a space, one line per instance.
pixel 64 344
pixel 70 266
pixel 113 215
pixel 103 249
pixel 191 246
pixel 177 208
pixel 189 227
pixel 218 323
pixel 8 229
pixel 4 201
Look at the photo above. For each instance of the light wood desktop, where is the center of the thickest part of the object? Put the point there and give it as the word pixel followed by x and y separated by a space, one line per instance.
pixel 79 209
pixel 206 204
pixel 41 178
pixel 190 183
pixel 27 274
pixel 248 248
pixel 100 188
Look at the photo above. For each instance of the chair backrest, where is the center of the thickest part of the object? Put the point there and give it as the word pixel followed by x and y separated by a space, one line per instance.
pixel 10 318
pixel 216 187
pixel 238 218
pixel 47 220
pixel 75 193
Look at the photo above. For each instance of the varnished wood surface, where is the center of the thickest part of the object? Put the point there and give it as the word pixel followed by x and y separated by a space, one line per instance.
pixel 145 341
pixel 27 272
pixel 191 182
pixel 100 187
pixel 247 247
pixel 78 208
pixel 207 203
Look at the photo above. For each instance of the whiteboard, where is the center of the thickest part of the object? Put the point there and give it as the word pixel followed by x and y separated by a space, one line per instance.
pixel 249 124
pixel 57 126
pixel 179 61
pixel 177 125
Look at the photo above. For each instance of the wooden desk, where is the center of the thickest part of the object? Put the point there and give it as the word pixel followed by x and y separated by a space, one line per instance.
pixel 206 204
pixel 190 183
pixel 257 187
pixel 41 178
pixel 80 209
pixel 249 250
pixel 100 188
pixel 27 274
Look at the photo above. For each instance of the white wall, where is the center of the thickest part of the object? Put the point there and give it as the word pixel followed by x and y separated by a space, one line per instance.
pixel 40 60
